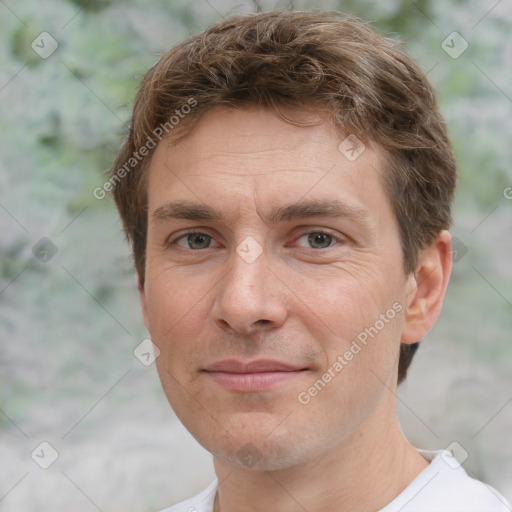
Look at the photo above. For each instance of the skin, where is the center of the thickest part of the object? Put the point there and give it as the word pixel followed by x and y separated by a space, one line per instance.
pixel 300 301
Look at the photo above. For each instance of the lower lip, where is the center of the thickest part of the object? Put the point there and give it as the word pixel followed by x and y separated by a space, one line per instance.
pixel 252 382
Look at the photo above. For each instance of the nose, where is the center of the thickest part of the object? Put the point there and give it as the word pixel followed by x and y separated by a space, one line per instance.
pixel 250 297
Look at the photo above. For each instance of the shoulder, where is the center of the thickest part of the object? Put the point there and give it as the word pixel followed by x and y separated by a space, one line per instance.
pixel 446 487
pixel 202 502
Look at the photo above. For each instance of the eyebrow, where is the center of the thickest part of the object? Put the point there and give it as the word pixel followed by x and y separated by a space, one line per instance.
pixel 304 209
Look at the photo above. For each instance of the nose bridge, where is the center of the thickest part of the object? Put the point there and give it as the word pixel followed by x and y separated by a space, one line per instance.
pixel 247 282
pixel 248 296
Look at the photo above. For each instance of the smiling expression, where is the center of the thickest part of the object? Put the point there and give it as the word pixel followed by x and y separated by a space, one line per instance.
pixel 268 253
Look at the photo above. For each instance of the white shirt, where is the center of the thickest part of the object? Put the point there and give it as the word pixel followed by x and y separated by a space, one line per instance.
pixel 444 486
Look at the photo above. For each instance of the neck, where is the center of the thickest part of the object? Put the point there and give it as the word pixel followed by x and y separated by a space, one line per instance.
pixel 362 473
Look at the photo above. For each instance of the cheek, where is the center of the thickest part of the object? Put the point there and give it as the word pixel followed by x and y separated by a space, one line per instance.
pixel 358 320
pixel 177 308
pixel 359 337
pixel 345 301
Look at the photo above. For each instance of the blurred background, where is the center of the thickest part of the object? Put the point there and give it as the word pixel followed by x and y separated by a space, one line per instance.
pixel 84 424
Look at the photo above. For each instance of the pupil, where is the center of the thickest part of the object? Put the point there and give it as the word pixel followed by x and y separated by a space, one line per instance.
pixel 198 238
pixel 320 238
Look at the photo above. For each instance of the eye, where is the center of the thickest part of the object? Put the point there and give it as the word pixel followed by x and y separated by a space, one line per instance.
pixel 198 240
pixel 194 240
pixel 319 239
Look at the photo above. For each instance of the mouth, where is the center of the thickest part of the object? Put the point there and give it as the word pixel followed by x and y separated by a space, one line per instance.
pixel 253 376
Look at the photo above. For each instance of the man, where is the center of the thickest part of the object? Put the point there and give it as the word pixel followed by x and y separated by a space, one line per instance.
pixel 286 187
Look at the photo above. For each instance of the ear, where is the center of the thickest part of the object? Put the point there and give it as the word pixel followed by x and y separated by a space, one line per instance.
pixel 143 300
pixel 426 288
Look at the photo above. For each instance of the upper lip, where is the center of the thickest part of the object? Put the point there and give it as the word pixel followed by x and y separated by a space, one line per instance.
pixel 258 366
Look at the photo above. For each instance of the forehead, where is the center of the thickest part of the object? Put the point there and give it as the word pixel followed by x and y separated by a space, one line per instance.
pixel 257 132
pixel 248 155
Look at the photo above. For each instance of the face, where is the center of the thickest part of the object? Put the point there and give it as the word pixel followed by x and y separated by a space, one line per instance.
pixel 274 286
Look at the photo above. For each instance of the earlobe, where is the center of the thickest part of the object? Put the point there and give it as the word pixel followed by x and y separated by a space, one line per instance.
pixel 427 288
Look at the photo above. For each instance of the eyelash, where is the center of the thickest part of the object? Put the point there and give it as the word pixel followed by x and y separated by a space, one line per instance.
pixel 335 238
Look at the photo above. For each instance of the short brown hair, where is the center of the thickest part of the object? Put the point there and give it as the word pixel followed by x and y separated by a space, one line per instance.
pixel 289 61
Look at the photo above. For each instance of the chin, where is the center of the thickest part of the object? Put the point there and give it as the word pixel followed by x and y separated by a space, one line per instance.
pixel 260 452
